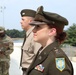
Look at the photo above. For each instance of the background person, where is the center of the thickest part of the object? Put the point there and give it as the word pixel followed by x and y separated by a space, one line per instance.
pixel 50 59
pixel 29 47
pixel 6 48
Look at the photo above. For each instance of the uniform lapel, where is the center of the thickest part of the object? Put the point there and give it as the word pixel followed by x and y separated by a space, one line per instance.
pixel 31 66
pixel 40 58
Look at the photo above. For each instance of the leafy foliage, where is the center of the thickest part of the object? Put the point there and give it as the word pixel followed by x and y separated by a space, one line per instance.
pixel 71 32
pixel 15 33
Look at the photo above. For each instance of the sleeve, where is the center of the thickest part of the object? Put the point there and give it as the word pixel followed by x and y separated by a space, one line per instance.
pixel 60 66
pixel 10 46
pixel 9 49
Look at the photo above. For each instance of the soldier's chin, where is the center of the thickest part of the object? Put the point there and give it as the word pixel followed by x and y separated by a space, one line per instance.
pixel 35 40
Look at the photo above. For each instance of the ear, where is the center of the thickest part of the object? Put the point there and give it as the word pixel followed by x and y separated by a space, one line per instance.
pixel 30 20
pixel 52 31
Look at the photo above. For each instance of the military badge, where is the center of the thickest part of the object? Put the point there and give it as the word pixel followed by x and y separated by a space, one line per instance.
pixel 60 63
pixel 39 68
pixel 23 13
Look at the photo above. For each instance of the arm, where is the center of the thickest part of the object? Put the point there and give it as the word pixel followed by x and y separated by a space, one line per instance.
pixel 57 69
pixel 6 45
pixel 9 48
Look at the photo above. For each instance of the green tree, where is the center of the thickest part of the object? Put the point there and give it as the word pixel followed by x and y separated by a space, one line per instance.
pixel 71 32
pixel 15 33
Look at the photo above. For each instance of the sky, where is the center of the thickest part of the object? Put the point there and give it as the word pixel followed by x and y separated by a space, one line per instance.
pixel 10 10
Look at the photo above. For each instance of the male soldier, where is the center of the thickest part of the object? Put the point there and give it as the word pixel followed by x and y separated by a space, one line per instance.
pixel 6 48
pixel 29 48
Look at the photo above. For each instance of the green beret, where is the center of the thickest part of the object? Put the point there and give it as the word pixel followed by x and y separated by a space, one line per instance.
pixel 48 17
pixel 28 12
pixel 2 29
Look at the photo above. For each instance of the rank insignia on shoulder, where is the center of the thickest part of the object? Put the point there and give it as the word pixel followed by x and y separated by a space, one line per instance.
pixel 60 63
pixel 39 68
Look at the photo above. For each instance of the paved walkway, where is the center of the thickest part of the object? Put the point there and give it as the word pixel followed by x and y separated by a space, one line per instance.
pixel 15 60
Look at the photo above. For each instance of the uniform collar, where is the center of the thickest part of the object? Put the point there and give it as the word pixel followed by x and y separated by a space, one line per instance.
pixel 50 46
pixel 29 31
pixel 43 55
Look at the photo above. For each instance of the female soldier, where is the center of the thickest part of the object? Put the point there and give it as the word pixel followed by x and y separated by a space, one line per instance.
pixel 50 59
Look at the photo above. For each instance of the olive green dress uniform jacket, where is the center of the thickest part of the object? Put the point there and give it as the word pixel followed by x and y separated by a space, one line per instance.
pixel 47 62
pixel 29 49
